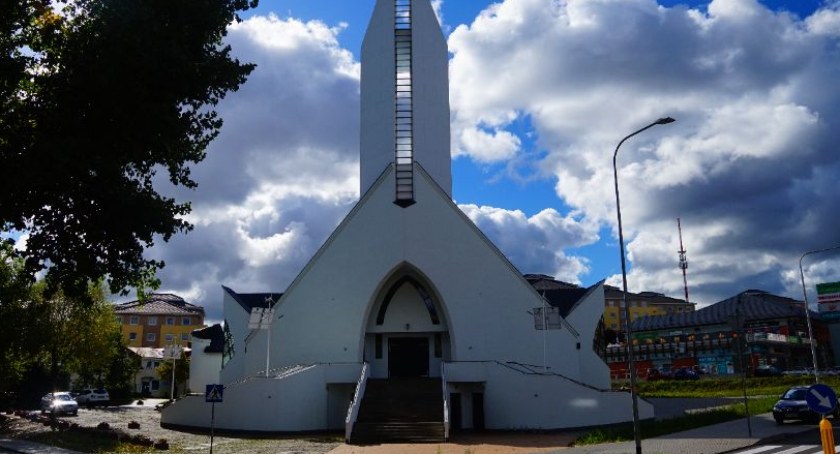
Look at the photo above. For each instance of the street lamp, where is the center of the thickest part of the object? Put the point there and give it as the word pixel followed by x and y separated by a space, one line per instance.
pixel 629 340
pixel 807 312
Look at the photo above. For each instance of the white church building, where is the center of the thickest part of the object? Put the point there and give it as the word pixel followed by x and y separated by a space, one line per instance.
pixel 408 322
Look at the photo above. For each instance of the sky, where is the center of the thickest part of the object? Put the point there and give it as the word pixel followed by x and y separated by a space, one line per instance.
pixel 541 92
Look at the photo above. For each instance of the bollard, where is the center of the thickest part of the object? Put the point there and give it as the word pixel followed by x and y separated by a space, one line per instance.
pixel 827 436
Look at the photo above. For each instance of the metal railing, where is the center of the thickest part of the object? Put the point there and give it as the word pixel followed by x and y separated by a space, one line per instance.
pixel 445 401
pixel 353 411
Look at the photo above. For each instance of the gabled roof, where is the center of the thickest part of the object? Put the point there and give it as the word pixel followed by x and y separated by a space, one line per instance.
pixel 215 334
pixel 753 305
pixel 159 304
pixel 147 352
pixel 613 293
pixel 545 282
pixel 249 301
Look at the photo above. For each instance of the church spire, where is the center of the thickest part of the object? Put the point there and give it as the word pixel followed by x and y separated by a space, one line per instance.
pixel 405 97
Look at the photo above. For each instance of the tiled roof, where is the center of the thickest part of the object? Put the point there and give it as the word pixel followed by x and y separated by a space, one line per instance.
pixel 613 293
pixel 147 352
pixel 215 334
pixel 249 301
pixel 564 298
pixel 544 282
pixel 559 294
pixel 159 304
pixel 755 305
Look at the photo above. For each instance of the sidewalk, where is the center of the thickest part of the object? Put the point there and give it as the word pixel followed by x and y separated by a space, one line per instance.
pixel 28 447
pixel 714 439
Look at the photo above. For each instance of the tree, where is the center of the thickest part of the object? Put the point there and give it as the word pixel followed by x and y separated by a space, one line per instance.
pixel 182 370
pixel 94 101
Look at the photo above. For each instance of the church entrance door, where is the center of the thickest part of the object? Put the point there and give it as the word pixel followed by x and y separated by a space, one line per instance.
pixel 408 357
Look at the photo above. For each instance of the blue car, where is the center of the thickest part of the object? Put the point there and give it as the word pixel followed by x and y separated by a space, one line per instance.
pixel 792 405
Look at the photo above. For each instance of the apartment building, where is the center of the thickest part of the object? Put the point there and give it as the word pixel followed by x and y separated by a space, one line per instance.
pixel 163 319
pixel 643 304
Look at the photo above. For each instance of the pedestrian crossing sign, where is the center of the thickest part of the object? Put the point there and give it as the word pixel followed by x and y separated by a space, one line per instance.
pixel 214 393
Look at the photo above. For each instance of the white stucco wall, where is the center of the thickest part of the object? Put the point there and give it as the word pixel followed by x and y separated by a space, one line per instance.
pixel 430 80
pixel 236 318
pixel 585 318
pixel 514 401
pixel 298 403
pixel 204 367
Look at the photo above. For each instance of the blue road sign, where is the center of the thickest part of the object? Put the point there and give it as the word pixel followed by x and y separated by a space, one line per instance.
pixel 214 393
pixel 821 399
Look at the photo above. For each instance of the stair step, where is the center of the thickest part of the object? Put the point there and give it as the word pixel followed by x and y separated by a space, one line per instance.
pixel 400 410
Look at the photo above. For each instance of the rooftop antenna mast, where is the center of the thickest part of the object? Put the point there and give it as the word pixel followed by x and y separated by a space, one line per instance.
pixel 683 261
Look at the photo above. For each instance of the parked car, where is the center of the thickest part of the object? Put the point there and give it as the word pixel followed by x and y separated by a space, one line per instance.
pixel 93 396
pixel 59 403
pixel 767 371
pixel 797 372
pixel 685 373
pixel 792 405
pixel 657 374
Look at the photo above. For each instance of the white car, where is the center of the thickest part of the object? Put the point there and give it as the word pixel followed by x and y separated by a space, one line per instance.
pixel 93 396
pixel 59 403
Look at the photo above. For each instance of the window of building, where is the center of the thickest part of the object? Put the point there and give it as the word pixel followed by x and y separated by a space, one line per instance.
pixel 170 320
pixel 169 338
pixel 227 351
pixel 186 321
pixel 155 385
pixel 119 319
pixel 132 337
pixel 151 321
pixel 151 337
pixel 185 336
pixel 134 320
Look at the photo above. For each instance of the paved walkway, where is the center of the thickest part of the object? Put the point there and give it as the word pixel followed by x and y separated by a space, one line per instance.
pixel 715 439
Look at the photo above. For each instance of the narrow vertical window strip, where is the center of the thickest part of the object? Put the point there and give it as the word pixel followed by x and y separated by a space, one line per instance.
pixel 403 105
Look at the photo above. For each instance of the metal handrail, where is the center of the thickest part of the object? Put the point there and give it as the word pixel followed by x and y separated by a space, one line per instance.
pixel 353 411
pixel 445 401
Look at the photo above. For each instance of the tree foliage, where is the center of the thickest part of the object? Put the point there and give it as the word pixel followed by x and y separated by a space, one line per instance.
pixel 49 336
pixel 95 100
pixel 182 370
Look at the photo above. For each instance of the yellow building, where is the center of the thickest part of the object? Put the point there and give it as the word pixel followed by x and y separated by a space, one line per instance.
pixel 163 319
pixel 641 304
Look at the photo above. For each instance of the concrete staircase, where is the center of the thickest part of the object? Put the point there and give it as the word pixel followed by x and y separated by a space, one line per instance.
pixel 400 410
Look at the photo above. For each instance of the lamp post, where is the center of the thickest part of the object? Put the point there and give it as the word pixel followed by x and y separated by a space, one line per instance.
pixel 807 312
pixel 629 341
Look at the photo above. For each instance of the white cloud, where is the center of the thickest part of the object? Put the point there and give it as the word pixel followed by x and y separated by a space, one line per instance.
pixel 283 172
pixel 754 92
pixel 536 243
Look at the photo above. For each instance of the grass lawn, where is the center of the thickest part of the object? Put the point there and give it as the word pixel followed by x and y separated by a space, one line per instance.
pixel 762 392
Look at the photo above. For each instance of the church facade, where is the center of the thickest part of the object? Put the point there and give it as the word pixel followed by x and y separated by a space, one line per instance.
pixel 408 288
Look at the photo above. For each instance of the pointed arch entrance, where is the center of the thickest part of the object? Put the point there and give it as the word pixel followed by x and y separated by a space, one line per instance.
pixel 407 331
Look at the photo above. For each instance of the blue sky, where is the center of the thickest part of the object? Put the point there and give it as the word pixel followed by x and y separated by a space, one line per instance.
pixel 541 92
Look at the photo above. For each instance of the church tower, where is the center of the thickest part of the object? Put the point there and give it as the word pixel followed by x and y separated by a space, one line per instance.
pixel 405 97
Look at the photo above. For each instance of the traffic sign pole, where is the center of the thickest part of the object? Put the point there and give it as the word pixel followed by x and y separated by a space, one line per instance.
pixel 212 424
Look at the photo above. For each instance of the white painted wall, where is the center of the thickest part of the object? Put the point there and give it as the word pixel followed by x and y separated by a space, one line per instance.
pixel 301 402
pixel 236 318
pixel 585 318
pixel 430 81
pixel 513 401
pixel 484 300
pixel 204 367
